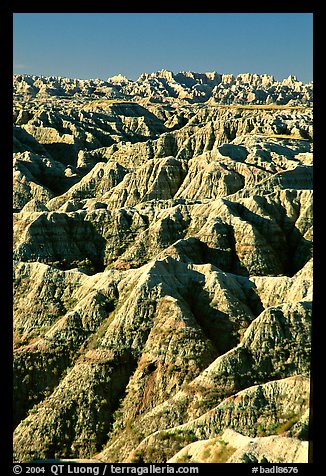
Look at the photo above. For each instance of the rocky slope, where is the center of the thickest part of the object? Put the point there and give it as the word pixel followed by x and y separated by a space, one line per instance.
pixel 165 86
pixel 162 268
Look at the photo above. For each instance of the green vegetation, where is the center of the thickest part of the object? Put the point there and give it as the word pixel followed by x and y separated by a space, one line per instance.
pixel 86 264
pixel 285 136
pixel 286 425
pixel 108 102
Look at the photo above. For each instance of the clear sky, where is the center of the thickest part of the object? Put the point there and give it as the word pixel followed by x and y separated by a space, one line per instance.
pixel 100 45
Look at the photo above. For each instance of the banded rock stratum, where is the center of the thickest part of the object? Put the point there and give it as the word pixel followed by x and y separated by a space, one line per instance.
pixel 162 268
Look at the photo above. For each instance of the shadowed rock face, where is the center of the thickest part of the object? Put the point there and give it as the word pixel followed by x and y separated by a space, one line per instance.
pixel 162 268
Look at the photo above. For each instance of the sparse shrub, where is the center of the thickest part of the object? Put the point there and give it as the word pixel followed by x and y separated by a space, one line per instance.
pixel 222 452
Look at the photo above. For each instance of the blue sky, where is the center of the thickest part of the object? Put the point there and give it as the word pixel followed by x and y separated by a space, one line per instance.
pixel 99 45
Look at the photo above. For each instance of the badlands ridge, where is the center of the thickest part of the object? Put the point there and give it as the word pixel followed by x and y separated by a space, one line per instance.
pixel 163 268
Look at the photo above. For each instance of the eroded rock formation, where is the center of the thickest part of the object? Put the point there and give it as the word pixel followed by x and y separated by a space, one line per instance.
pixel 163 268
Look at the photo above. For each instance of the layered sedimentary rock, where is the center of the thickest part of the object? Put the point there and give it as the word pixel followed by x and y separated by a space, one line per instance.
pixel 232 447
pixel 166 86
pixel 163 268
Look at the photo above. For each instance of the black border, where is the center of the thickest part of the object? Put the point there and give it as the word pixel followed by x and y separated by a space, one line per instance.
pixel 6 29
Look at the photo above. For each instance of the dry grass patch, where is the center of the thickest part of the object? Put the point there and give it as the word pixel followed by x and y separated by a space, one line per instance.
pixel 107 102
pixel 264 107
pixel 221 453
